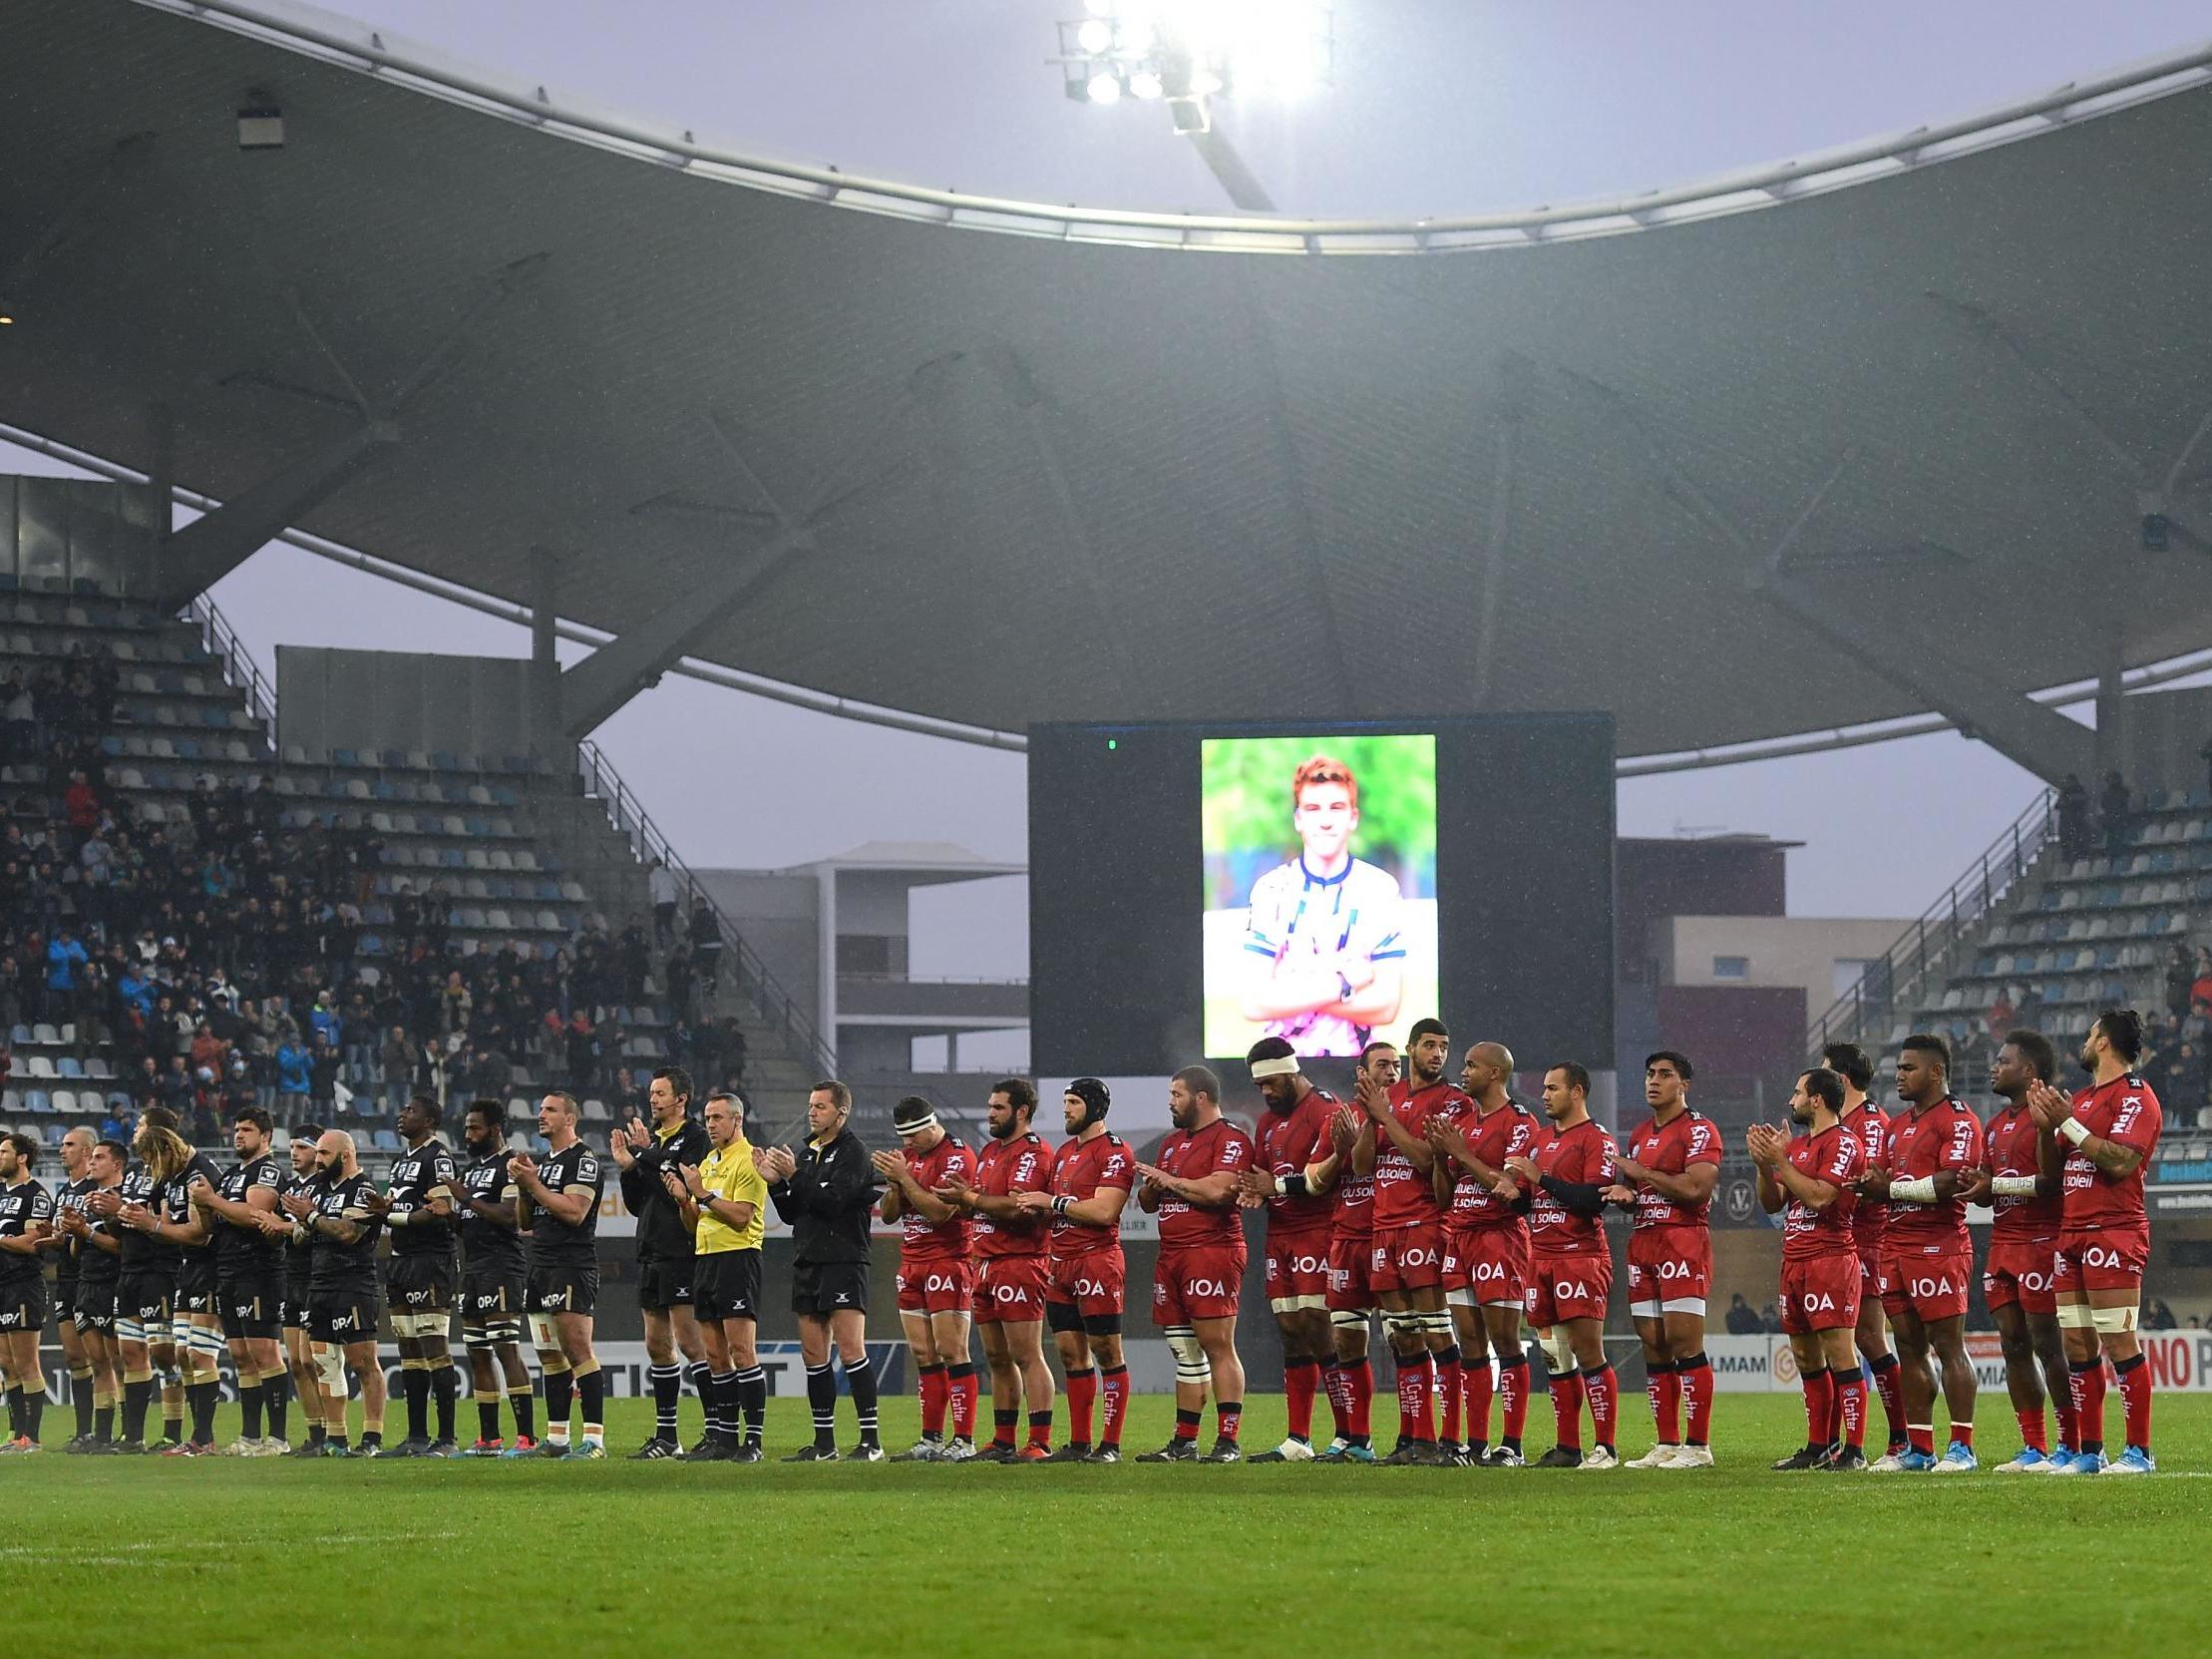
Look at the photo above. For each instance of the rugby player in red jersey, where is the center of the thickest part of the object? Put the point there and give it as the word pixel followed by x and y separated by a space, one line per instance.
pixel 1194 1191
pixel 2097 1145
pixel 1926 1254
pixel 1405 1265
pixel 1295 1175
pixel 1486 1249
pixel 1571 1265
pixel 1010 1262
pixel 1351 1298
pixel 1869 1125
pixel 1091 1177
pixel 1812 1180
pixel 936 1280
pixel 2024 1244
pixel 1667 1172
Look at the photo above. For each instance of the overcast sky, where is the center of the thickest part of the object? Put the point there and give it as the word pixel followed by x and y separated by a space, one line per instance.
pixel 1437 107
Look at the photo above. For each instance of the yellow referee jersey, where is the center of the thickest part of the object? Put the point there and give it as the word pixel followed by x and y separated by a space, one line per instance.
pixel 729 1173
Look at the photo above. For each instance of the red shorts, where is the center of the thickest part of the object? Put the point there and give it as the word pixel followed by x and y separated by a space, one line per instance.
pixel 1933 1287
pixel 1667 1267
pixel 1566 1287
pixel 1349 1290
pixel 1407 1258
pixel 1011 1290
pixel 939 1287
pixel 1091 1284
pixel 1197 1281
pixel 1820 1293
pixel 2019 1271
pixel 2100 1261
pixel 1486 1264
pixel 1297 1271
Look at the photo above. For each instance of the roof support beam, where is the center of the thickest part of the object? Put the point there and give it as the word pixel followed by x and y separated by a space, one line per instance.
pixel 590 691
pixel 2041 739
pixel 196 558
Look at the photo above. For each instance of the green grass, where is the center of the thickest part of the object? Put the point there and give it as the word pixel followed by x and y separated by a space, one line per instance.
pixel 272 1557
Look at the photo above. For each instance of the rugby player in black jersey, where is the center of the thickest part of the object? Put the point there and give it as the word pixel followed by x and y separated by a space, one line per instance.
pixel 417 1209
pixel 26 1219
pixel 558 1206
pixel 86 1386
pixel 342 1298
pixel 145 1283
pixel 249 1233
pixel 98 1264
pixel 492 1268
pixel 299 1267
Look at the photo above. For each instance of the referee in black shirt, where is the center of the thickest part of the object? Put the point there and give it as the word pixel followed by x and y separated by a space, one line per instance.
pixel 825 1192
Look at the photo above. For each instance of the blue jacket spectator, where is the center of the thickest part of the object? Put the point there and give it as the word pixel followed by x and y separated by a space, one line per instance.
pixel 296 1069
pixel 63 957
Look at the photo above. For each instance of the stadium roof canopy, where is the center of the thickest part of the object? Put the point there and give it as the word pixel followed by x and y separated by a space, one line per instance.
pixel 1129 466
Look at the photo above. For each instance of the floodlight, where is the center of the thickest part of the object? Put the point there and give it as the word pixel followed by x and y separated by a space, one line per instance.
pixel 1095 35
pixel 1104 87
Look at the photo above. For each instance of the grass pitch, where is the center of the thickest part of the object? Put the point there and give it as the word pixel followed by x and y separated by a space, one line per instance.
pixel 240 1558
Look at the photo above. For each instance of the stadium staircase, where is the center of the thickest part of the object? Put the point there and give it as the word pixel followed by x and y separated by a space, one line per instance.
pixel 2055 937
pixel 521 857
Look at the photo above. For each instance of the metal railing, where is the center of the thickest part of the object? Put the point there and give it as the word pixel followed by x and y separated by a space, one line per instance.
pixel 1895 978
pixel 750 978
pixel 222 642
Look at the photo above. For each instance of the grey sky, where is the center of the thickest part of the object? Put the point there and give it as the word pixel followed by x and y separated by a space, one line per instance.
pixel 1437 108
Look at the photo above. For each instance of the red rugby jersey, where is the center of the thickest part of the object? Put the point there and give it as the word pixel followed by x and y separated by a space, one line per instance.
pixel 2009 1146
pixel 1508 1132
pixel 1672 1149
pixel 1289 1141
pixel 920 1241
pixel 1079 1170
pixel 1832 1156
pixel 1403 1195
pixel 1922 1143
pixel 1584 1154
pixel 1191 1156
pixel 2125 1110
pixel 1003 1169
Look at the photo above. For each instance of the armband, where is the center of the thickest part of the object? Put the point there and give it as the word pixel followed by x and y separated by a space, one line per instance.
pixel 2075 1131
pixel 2013 1186
pixel 1060 1205
pixel 1922 1191
pixel 1293 1186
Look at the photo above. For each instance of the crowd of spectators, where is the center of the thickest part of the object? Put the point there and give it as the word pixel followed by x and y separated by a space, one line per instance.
pixel 217 962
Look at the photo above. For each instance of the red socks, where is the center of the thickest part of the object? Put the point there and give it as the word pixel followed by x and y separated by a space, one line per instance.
pixel 1512 1395
pixel 1663 1386
pixel 1299 1378
pixel 1820 1401
pixel 1893 1402
pixel 1447 1386
pixel 1082 1390
pixel 1603 1390
pixel 1566 1407
pixel 1849 1418
pixel 1696 1374
pixel 2088 1402
pixel 1417 1397
pixel 1114 1385
pixel 1359 1395
pixel 1475 1380
pixel 934 1392
pixel 2031 1430
pixel 2134 1378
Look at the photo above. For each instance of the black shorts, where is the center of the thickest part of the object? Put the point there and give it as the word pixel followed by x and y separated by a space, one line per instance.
pixel 294 1313
pixel 828 1287
pixel 65 1301
pixel 251 1306
pixel 419 1284
pixel 342 1317
pixel 147 1298
pixel 491 1296
pixel 196 1284
pixel 93 1306
pixel 22 1306
pixel 561 1289
pixel 666 1282
pixel 726 1285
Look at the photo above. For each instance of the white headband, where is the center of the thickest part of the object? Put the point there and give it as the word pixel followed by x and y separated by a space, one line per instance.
pixel 918 1126
pixel 1281 1065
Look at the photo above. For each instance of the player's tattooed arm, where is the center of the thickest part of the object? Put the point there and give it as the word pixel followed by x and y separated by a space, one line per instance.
pixel 2054 1113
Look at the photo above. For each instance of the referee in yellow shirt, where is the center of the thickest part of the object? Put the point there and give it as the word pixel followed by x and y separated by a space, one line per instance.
pixel 724 1201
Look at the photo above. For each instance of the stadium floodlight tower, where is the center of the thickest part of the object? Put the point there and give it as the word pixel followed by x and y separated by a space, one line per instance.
pixel 1187 52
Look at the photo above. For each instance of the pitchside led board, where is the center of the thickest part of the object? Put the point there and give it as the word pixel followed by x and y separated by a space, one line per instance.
pixel 1196 887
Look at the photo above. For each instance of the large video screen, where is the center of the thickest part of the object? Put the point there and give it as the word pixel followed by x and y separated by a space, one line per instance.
pixel 1319 889
pixel 1195 887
